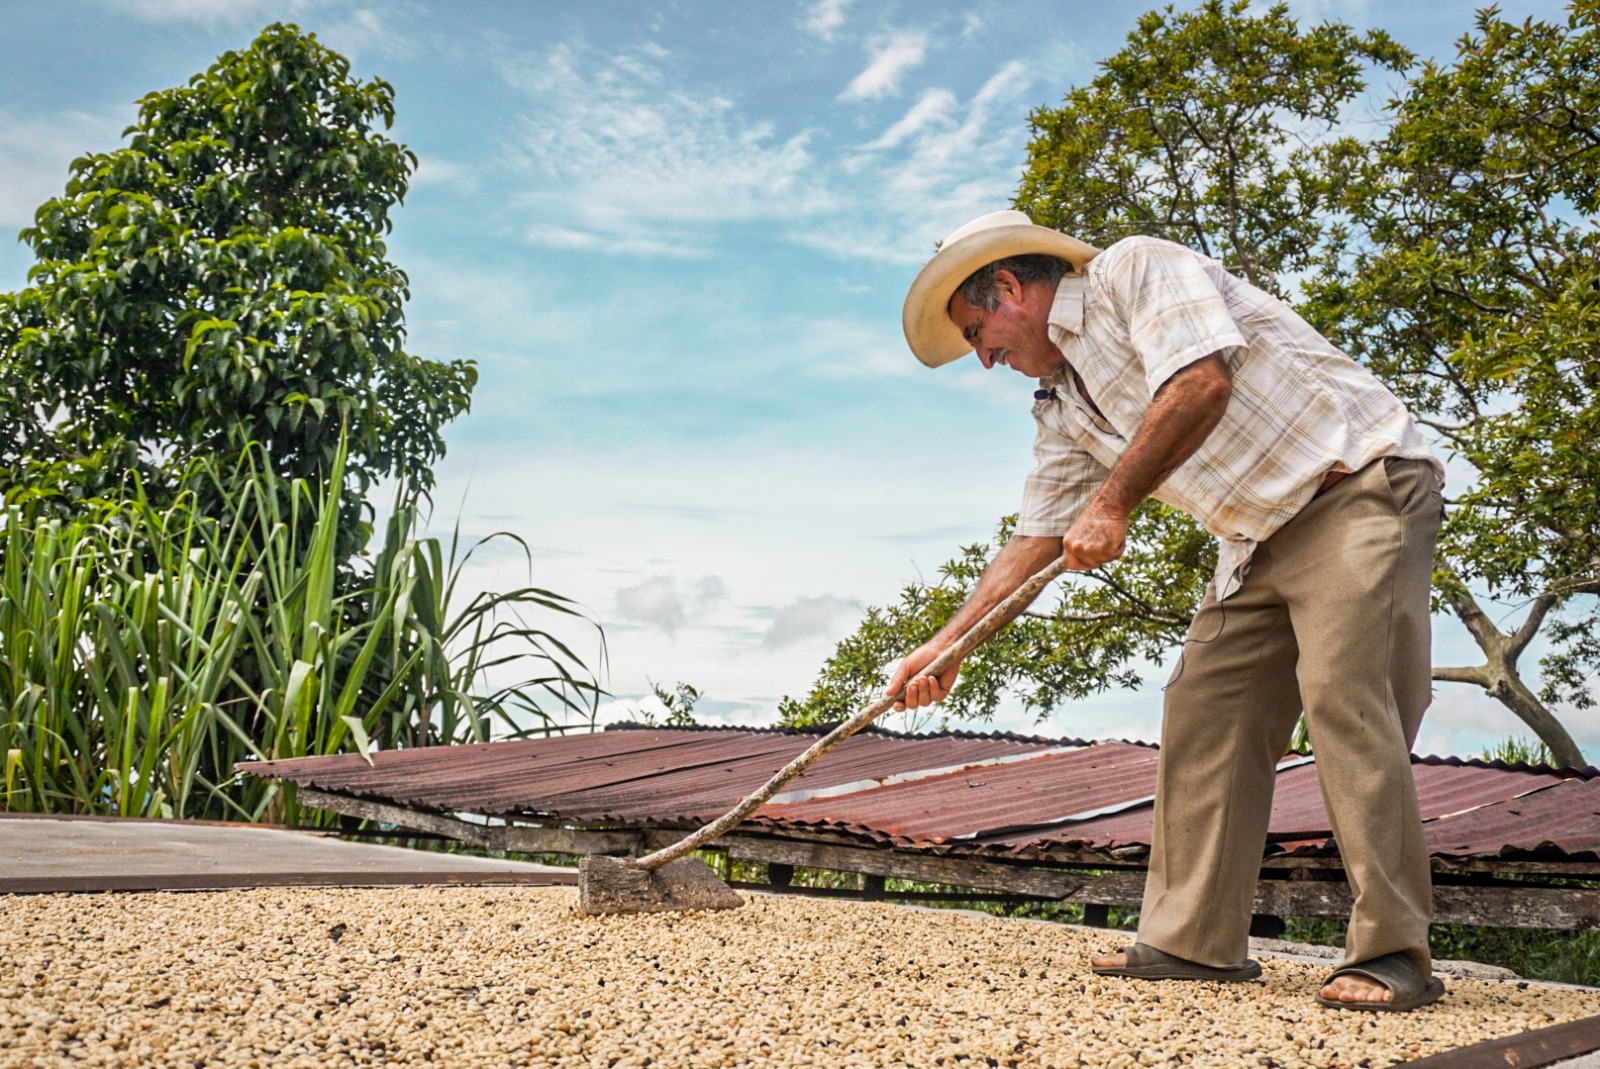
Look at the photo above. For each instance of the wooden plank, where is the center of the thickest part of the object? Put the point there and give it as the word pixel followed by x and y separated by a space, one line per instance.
pixel 531 840
pixel 1507 907
pixel 522 838
pixel 1579 870
pixel 1530 1050
pixel 1561 908
pixel 399 816
pixel 926 868
pixel 1521 906
pixel 1135 857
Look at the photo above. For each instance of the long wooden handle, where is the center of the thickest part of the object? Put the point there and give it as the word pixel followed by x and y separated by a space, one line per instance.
pixel 975 636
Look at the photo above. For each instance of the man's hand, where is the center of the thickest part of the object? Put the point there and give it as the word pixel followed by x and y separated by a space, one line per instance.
pixel 1098 536
pixel 1182 414
pixel 921 690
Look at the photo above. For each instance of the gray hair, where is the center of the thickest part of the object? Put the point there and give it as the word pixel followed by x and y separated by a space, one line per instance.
pixel 979 288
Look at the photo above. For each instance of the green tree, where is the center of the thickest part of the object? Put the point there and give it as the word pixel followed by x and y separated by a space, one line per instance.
pixel 1100 626
pixel 1209 128
pixel 220 280
pixel 1469 280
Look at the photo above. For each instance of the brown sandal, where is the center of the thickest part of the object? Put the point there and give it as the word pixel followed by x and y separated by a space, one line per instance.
pixel 1148 963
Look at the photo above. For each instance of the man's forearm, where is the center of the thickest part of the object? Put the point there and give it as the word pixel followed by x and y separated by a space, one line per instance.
pixel 1017 562
pixel 1183 413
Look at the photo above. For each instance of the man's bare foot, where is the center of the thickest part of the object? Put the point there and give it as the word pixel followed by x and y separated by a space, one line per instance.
pixel 1350 988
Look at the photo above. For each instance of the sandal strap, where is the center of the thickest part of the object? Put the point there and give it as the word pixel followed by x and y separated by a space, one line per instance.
pixel 1140 955
pixel 1395 971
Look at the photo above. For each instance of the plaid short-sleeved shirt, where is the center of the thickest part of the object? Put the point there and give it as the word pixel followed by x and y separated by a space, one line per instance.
pixel 1146 308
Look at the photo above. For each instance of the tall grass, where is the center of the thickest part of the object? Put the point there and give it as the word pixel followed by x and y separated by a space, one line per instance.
pixel 146 651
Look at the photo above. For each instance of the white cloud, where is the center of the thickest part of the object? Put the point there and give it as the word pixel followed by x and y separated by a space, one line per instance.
pixel 212 12
pixel 350 29
pixel 824 16
pixel 656 602
pixel 371 31
pixel 709 591
pixel 936 107
pixel 662 603
pixel 890 60
pixel 850 349
pixel 626 163
pixel 941 163
pixel 434 173
pixel 804 618
pixel 38 150
pixel 1355 12
pixel 552 236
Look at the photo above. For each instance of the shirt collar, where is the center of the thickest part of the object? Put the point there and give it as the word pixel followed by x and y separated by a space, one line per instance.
pixel 1066 311
pixel 1066 317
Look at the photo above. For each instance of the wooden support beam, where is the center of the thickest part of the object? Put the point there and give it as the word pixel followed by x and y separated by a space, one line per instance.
pixel 926 868
pixel 399 816
pixel 518 837
pixel 1560 908
pixel 1305 895
pixel 530 840
pixel 1137 857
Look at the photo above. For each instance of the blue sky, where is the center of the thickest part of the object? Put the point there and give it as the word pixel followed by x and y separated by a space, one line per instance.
pixel 675 238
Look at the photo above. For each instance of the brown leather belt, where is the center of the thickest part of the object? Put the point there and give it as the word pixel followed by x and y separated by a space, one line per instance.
pixel 1329 481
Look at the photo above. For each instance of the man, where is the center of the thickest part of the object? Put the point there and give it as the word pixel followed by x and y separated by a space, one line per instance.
pixel 1160 375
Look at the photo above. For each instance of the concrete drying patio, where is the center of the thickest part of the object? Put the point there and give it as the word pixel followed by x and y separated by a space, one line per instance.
pixel 277 964
pixel 47 854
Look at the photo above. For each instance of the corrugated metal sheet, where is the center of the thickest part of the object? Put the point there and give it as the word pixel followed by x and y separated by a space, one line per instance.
pixel 1447 792
pixel 954 792
pixel 985 800
pixel 660 776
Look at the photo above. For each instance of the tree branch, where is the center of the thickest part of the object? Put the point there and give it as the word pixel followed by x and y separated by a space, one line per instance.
pixel 1477 676
pixel 1530 626
pixel 1071 618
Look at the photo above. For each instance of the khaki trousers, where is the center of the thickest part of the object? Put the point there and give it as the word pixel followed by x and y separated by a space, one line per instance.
pixel 1332 618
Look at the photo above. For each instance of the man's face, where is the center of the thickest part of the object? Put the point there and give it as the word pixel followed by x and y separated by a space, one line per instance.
pixel 1017 333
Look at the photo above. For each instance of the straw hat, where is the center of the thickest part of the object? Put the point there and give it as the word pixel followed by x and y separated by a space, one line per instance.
pixel 926 318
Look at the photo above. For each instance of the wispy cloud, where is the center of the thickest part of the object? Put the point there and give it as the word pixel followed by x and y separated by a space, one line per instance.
pixel 942 162
pixel 348 27
pixel 434 173
pixel 824 16
pixel 373 31
pixel 934 108
pixel 1356 12
pixel 662 602
pixel 804 618
pixel 891 59
pixel 627 162
pixel 38 149
pixel 213 12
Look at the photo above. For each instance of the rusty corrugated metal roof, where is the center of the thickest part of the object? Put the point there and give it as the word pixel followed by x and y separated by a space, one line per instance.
pixel 1560 821
pixel 954 792
pixel 650 775
pixel 986 800
pixel 1449 792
